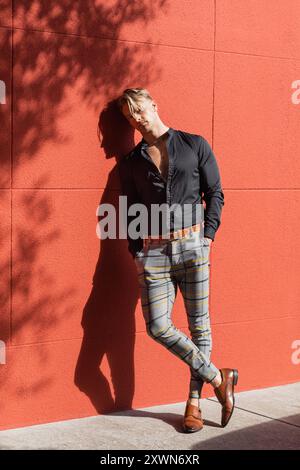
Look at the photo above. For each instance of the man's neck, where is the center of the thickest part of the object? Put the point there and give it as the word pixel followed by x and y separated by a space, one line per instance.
pixel 155 134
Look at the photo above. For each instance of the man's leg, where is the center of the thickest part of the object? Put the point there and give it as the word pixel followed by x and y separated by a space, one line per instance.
pixel 159 271
pixel 158 292
pixel 194 286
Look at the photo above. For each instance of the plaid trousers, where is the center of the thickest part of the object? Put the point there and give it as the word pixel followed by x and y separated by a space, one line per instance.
pixel 162 267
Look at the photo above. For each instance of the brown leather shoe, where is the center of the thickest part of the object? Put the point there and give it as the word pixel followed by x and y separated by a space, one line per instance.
pixel 225 393
pixel 192 420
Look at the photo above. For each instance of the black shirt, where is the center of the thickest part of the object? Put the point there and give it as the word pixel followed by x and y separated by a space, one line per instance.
pixel 193 176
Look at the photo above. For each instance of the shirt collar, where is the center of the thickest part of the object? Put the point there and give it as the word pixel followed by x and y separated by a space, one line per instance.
pixel 145 144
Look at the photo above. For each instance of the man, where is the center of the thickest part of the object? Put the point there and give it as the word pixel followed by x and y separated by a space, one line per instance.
pixel 173 167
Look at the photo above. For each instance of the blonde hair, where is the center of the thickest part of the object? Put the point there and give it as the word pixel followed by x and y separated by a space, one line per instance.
pixel 131 96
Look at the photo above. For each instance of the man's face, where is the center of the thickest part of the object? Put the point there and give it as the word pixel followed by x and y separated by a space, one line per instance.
pixel 144 117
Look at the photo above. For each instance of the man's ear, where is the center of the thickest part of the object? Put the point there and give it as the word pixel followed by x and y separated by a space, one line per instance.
pixel 154 104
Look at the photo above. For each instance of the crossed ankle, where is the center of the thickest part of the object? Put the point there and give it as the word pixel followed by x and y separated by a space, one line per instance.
pixel 216 382
pixel 194 401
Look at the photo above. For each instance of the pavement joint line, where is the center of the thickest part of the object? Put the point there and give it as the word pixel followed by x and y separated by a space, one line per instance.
pixel 259 414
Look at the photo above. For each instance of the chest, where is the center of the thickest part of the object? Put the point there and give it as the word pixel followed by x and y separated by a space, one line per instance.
pixel 160 157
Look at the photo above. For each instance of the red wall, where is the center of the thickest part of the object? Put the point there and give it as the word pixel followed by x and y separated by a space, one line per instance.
pixel 222 69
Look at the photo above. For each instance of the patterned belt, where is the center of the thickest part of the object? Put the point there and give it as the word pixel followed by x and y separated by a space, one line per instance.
pixel 173 235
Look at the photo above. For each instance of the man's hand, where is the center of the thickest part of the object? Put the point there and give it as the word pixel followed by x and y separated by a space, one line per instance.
pixel 209 239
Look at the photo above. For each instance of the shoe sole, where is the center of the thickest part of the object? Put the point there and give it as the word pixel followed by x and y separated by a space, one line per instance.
pixel 235 381
pixel 186 430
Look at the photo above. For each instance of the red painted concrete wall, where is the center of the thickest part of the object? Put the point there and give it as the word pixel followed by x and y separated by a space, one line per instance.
pixel 71 317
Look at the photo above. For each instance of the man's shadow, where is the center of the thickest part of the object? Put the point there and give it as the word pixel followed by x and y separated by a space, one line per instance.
pixel 108 319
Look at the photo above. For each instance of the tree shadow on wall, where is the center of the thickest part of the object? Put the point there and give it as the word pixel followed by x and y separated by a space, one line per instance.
pixel 58 47
pixel 109 314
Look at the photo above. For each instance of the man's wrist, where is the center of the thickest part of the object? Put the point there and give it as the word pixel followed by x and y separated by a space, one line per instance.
pixel 209 232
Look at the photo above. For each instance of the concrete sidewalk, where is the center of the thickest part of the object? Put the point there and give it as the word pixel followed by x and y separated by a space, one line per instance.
pixel 262 419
